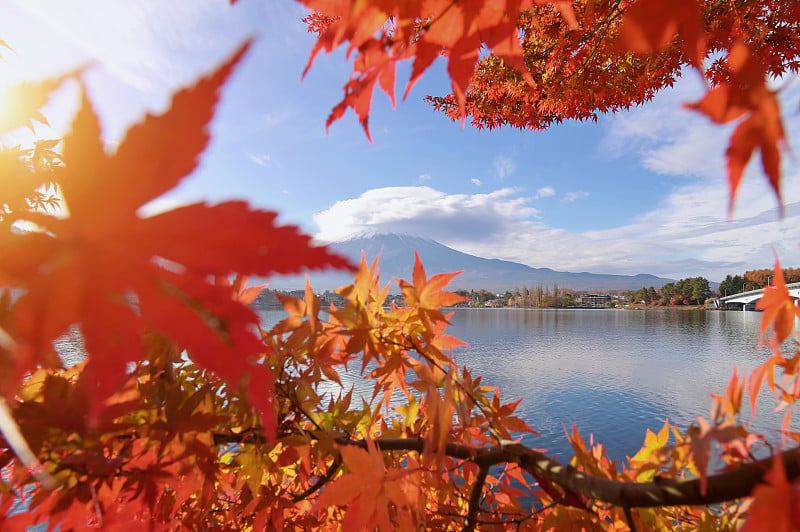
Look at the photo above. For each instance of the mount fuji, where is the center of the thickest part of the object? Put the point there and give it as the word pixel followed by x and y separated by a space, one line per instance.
pixel 397 260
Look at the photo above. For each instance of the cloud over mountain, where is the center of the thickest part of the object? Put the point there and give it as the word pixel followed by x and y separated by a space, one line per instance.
pixel 427 212
pixel 686 234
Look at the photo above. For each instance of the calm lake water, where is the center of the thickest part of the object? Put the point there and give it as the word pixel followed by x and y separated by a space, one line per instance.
pixel 614 373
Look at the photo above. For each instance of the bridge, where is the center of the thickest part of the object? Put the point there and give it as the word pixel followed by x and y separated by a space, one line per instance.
pixel 747 299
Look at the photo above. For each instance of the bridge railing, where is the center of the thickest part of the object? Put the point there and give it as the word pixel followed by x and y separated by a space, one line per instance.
pixel 740 295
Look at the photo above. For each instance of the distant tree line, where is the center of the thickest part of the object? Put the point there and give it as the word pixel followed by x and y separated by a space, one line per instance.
pixel 268 299
pixel 689 291
pixel 538 296
pixel 696 290
pixel 754 280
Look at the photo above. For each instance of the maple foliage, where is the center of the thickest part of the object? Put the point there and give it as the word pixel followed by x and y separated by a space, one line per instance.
pixel 650 26
pixel 746 93
pixel 777 492
pixel 187 414
pixel 551 61
pixel 779 307
pixel 116 273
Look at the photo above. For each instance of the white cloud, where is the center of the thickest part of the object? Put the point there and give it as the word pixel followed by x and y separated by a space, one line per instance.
pixel 569 197
pixel 672 140
pixel 477 182
pixel 260 159
pixel 427 212
pixel 423 178
pixel 686 234
pixel 504 166
pixel 660 122
pixel 689 229
pixel 690 226
pixel 545 192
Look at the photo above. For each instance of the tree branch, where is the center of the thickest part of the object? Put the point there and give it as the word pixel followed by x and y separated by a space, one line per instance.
pixel 726 486
pixel 475 499
pixel 321 481
pixel 629 518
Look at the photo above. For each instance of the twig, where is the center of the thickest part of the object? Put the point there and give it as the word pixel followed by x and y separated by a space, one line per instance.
pixel 321 481
pixel 475 499
pixel 629 517
pixel 17 442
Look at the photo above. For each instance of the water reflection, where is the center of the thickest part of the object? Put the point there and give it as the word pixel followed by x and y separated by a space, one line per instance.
pixel 612 373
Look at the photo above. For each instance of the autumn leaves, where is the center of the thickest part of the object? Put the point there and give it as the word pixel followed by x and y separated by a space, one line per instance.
pixel 553 60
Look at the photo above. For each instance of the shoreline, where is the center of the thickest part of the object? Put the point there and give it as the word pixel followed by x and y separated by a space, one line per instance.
pixel 636 307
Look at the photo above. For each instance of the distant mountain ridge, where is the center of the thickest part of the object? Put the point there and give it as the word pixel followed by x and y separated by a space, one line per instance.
pixel 397 260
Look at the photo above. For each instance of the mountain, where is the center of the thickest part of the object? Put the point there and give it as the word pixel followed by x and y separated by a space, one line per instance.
pixel 397 260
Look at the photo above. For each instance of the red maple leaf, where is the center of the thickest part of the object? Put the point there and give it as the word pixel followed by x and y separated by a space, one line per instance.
pixel 384 33
pixel 118 274
pixel 651 25
pixel 463 28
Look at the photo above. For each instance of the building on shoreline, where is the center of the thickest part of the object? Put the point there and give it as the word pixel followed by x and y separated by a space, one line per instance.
pixel 594 300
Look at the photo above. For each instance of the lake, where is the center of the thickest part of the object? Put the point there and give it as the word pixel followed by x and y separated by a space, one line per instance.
pixel 615 373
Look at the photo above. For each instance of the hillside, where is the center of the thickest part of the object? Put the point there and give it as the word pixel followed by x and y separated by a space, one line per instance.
pixel 397 260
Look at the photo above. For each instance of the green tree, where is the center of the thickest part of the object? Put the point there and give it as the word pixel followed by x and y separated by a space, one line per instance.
pixel 732 284
pixel 701 290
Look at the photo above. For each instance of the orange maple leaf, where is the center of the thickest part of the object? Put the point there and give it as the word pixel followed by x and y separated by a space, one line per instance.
pixel 730 403
pixel 368 491
pixel 427 293
pixel 747 92
pixel 776 504
pixel 703 435
pixel 763 129
pixel 653 445
pixel 779 307
pixel 117 274
pixel 240 291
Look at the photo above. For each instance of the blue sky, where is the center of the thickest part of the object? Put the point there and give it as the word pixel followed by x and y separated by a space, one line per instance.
pixel 639 192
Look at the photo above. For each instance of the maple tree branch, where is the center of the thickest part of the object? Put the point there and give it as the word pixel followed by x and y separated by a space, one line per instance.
pixel 11 434
pixel 602 30
pixel 477 404
pixel 296 404
pixel 629 518
pixel 726 486
pixel 475 499
pixel 321 481
pixel 521 518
